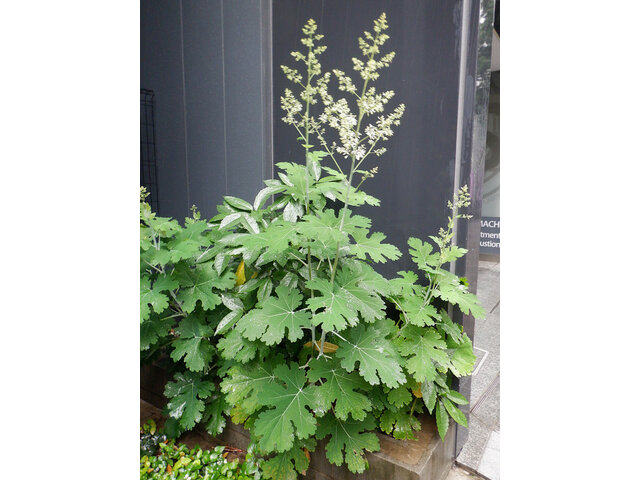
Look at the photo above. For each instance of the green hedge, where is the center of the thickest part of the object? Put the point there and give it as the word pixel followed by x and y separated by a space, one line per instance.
pixel 162 459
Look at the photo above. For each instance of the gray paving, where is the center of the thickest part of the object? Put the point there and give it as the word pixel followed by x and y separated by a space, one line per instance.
pixel 457 473
pixel 481 453
pixel 490 462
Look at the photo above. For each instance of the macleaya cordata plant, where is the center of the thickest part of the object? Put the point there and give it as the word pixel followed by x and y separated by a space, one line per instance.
pixel 274 313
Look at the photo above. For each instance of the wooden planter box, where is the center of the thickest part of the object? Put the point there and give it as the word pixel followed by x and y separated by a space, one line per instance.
pixel 426 458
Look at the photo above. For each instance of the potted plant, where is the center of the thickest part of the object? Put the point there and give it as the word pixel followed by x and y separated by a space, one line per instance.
pixel 273 309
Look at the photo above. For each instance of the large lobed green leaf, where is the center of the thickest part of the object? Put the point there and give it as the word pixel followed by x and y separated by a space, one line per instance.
pixel 324 227
pixel 339 387
pixel 150 296
pixel 188 242
pixel 369 305
pixel 275 317
pixel 276 239
pixel 193 342
pixel 421 253
pixel 349 441
pixel 152 330
pixel 286 465
pixel 233 346
pixel 214 415
pixel 186 398
pixel 461 356
pixel 375 355
pixel 418 311
pixel 291 414
pixel 425 350
pixel 197 284
pixel 332 306
pixel 451 290
pixel 244 384
pixel 373 247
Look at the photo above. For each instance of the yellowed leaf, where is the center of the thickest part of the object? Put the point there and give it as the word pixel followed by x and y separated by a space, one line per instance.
pixel 417 393
pixel 308 455
pixel 328 346
pixel 240 278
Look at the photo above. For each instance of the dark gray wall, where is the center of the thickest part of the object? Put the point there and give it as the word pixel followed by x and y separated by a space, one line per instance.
pixel 208 62
pixel 416 175
pixel 161 71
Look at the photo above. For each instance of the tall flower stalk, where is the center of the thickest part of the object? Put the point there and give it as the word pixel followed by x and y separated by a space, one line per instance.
pixel 355 144
pixel 303 121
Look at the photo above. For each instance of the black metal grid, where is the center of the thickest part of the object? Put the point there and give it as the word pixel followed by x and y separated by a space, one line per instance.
pixel 148 176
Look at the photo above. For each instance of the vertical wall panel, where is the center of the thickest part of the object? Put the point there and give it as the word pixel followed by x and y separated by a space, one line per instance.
pixel 203 70
pixel 244 91
pixel 209 63
pixel 161 71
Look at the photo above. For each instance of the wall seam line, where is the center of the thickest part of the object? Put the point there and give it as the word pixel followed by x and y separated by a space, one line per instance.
pixel 464 39
pixel 184 109
pixel 224 101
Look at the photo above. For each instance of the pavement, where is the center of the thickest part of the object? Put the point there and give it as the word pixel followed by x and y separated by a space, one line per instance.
pixel 457 473
pixel 481 453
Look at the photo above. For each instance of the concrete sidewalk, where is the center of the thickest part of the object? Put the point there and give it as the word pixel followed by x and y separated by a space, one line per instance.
pixel 481 453
pixel 457 473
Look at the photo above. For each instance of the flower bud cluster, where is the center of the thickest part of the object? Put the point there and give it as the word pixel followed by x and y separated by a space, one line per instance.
pixel 292 106
pixel 382 130
pixel 461 199
pixel 373 102
pixel 345 83
pixel 356 141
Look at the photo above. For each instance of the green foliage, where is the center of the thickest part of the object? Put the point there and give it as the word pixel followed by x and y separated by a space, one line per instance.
pixel 399 422
pixel 331 308
pixel 165 460
pixel 349 439
pixel 374 355
pixel 275 315
pixel 285 466
pixel 150 437
pixel 187 394
pixel 272 310
pixel 192 343
pixel 373 247
pixel 293 402
pixel 339 390
pixel 425 351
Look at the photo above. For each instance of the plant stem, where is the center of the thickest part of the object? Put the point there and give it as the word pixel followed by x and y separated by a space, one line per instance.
pixel 177 303
pixel 313 339
pixel 346 200
pixel 321 353
pixel 344 214
pixel 413 405
pixel 353 168
pixel 306 175
pixel 341 337
pixel 322 141
pixel 306 130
